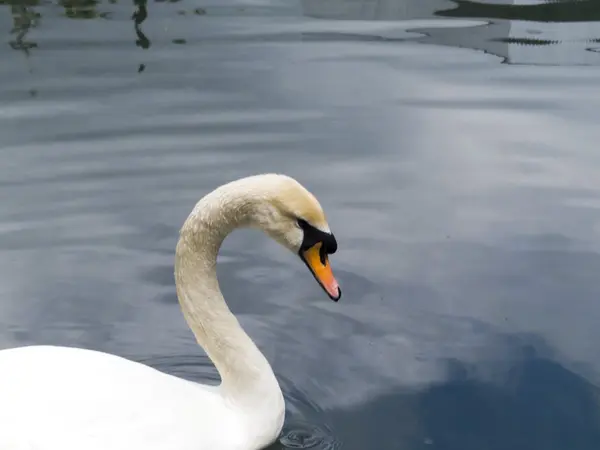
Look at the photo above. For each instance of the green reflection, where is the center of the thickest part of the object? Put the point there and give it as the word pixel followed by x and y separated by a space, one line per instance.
pixel 139 15
pixel 27 3
pixel 82 9
pixel 24 18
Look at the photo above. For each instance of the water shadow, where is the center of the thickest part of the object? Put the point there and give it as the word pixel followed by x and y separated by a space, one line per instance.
pixel 527 401
pixel 545 33
pixel 549 11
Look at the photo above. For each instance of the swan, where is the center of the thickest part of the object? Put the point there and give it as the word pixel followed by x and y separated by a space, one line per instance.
pixel 64 398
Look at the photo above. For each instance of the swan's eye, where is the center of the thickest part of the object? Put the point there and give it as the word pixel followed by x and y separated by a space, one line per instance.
pixel 303 224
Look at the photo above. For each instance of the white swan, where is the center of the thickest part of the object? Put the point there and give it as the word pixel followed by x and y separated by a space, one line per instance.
pixel 62 398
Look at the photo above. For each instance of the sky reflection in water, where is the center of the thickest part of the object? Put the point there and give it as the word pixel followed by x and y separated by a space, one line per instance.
pixel 452 144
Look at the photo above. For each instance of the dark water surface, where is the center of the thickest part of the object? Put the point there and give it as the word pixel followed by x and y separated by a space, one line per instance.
pixel 454 146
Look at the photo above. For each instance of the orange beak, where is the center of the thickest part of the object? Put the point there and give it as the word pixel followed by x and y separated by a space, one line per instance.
pixel 318 263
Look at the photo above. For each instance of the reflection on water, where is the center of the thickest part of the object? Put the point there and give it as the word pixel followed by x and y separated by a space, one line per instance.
pixel 464 194
pixel 82 9
pixel 532 402
pixel 541 32
pixel 533 11
pixel 24 18
pixel 514 30
pixel 139 15
pixel 525 401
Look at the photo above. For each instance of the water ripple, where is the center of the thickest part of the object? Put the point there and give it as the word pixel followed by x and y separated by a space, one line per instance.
pixel 297 434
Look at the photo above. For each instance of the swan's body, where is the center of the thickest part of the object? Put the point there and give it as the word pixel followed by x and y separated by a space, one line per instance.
pixel 69 398
pixel 61 398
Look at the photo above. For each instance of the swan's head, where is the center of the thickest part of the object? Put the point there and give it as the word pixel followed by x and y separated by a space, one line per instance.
pixel 292 216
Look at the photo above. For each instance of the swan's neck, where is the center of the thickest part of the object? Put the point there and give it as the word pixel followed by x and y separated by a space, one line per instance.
pixel 246 376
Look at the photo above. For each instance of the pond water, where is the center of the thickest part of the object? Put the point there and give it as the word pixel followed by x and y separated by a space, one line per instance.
pixel 453 145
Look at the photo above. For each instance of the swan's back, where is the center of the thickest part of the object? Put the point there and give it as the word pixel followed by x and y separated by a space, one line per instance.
pixel 60 398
